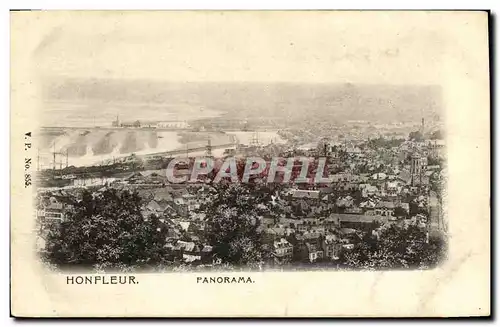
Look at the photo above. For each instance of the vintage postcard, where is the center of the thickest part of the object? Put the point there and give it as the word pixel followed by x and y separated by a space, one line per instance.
pixel 250 164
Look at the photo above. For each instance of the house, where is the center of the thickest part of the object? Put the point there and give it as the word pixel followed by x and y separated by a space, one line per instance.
pixel 326 190
pixel 315 253
pixel 385 208
pixel 188 251
pixel 331 247
pixel 405 206
pixel 344 177
pixel 191 201
pixel 163 193
pixel 186 257
pixel 347 186
pixel 436 148
pixel 405 176
pixel 182 174
pixel 305 224
pixel 359 221
pixel 309 195
pixel 92 181
pixel 184 225
pixel 278 232
pixel 53 211
pixel 41 244
pixel 379 176
pixel 344 202
pixel 283 251
pixel 207 254
pixel 392 188
pixel 179 205
pixel 173 233
pixel 134 178
pixel 368 190
pixel 135 124
pixel 172 124
pixel 154 176
pixel 309 148
pixel 354 210
pixel 179 201
pixel 308 237
pixel 146 195
pixel 353 150
pixel 169 210
pixel 331 222
pixel 369 203
pixel 153 206
pixel 267 222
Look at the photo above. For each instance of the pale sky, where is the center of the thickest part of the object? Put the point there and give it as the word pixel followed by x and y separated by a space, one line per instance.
pixel 367 47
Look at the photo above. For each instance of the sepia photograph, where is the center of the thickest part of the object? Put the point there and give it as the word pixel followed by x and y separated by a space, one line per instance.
pixel 150 175
pixel 222 147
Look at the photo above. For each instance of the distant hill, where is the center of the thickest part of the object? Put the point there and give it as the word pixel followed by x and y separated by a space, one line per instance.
pixel 286 101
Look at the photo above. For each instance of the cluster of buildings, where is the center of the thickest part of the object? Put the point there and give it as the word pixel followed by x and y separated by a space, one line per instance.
pixel 369 188
pixel 160 124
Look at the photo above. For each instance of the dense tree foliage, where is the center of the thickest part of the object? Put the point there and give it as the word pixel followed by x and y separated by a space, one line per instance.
pixel 400 212
pixel 233 223
pixel 107 231
pixel 437 135
pixel 432 160
pixel 382 142
pixel 416 136
pixel 396 247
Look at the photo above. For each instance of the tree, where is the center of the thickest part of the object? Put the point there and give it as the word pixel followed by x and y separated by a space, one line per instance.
pixel 416 136
pixel 232 224
pixel 396 247
pixel 107 231
pixel 382 142
pixel 432 160
pixel 416 209
pixel 437 135
pixel 400 212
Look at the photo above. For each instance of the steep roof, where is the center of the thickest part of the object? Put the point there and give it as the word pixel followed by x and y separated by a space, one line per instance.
pixel 308 194
pixel 184 224
pixel 360 218
pixel 281 243
pixel 386 204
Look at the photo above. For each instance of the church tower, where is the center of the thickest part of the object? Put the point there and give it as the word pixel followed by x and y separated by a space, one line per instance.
pixel 417 169
pixel 209 147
